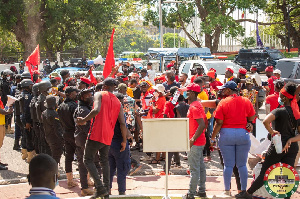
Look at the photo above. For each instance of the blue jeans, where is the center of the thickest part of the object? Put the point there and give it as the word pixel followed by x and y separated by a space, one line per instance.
pixel 197 169
pixel 235 144
pixel 120 162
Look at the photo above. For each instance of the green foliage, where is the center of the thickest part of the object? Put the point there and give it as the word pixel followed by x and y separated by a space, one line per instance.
pixel 130 36
pixel 169 40
pixel 248 42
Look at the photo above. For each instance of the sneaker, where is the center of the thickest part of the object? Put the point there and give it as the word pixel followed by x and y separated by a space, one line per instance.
pixel 201 194
pixel 226 193
pixel 3 167
pixel 135 169
pixel 244 194
pixel 188 196
pixel 100 192
pixel 122 193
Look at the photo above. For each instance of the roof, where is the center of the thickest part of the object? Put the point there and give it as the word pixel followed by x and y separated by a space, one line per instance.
pixel 182 52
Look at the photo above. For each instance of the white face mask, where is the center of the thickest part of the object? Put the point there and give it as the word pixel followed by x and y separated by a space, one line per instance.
pixel 49 91
pixel 8 78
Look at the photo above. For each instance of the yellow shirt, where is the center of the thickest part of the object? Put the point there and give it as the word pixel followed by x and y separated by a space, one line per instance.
pixel 204 96
pixel 129 92
pixel 2 119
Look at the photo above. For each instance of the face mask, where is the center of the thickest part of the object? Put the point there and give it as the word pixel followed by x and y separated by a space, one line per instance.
pixel 156 94
pixel 280 102
pixel 89 101
pixel 49 91
pixel 185 95
pixel 8 78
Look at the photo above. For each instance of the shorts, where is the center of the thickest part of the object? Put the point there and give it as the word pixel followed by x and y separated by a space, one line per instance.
pixel 2 134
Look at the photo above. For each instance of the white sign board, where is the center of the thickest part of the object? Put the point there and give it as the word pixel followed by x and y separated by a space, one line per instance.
pixel 166 135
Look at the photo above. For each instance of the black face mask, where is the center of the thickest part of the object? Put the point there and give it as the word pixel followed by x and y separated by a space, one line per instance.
pixel 89 101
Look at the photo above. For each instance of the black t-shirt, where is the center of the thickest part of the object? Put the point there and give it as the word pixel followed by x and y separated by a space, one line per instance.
pixel 182 109
pixel 236 80
pixel 284 123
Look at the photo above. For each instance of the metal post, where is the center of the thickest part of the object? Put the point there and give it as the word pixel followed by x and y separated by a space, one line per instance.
pixel 174 38
pixel 288 39
pixel 160 24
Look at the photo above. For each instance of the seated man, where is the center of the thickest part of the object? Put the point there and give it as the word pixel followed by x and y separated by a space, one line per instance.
pixel 42 176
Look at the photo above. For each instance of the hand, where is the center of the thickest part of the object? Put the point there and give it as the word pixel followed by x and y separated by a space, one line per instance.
pixel 249 127
pixel 10 110
pixel 115 69
pixel 191 142
pixel 28 126
pixel 123 146
pixel 80 121
pixel 287 146
pixel 275 132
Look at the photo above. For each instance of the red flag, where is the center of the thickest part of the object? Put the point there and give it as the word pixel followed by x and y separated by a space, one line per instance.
pixel 33 60
pixel 110 57
pixel 92 77
pixel 243 14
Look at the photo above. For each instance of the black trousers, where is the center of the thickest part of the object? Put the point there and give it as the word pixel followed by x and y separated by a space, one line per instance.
pixel 80 141
pixel 36 136
pixel 43 143
pixel 91 149
pixel 70 148
pixel 56 145
pixel 176 160
pixel 272 158
pixel 206 151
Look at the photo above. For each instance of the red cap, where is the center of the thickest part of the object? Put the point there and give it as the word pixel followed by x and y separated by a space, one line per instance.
pixel 212 69
pixel 125 79
pixel 157 78
pixel 211 74
pixel 243 71
pixel 57 78
pixel 230 70
pixel 269 69
pixel 85 80
pixel 193 87
pixel 253 68
pixel 36 72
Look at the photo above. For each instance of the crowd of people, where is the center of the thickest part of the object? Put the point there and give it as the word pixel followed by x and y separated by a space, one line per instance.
pixel 98 121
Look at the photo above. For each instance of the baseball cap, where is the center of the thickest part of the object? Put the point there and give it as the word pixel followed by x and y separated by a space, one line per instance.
pixel 269 69
pixel 230 84
pixel 110 82
pixel 277 71
pixel 71 89
pixel 122 85
pixel 193 87
pixel 230 70
pixel 243 71
pixel 159 87
pixel 211 74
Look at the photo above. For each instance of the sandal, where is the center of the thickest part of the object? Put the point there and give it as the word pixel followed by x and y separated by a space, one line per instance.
pixel 154 161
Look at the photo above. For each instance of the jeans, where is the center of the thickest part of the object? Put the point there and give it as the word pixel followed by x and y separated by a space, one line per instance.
pixel 234 144
pixel 197 169
pixel 91 148
pixel 120 162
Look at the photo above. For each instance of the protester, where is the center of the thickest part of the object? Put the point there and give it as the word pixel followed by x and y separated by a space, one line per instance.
pixel 212 80
pixel 272 100
pixel 231 116
pixel 107 110
pixel 170 81
pixel 196 117
pixel 183 80
pixel 229 76
pixel 150 72
pixel 285 121
pixel 277 73
pixel 270 89
pixel 3 112
pixel 43 177
pixel 199 70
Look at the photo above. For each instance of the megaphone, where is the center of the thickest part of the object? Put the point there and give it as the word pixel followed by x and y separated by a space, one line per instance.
pixel 98 60
pixel 10 100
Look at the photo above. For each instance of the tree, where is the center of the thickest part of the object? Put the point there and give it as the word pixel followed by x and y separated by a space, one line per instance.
pixel 169 40
pixel 58 24
pixel 248 42
pixel 130 36
pixel 216 18
pixel 282 12
pixel 8 43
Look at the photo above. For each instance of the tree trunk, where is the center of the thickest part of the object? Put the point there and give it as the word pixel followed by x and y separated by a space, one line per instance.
pixel 208 40
pixel 216 39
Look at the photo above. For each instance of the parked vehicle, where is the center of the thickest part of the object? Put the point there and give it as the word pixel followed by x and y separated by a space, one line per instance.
pixel 259 57
pixel 290 69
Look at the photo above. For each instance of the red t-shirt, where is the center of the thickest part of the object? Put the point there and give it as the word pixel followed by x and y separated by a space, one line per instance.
pixel 273 101
pixel 215 83
pixel 234 110
pixel 271 85
pixel 159 104
pixel 169 109
pixel 196 111
pixel 103 125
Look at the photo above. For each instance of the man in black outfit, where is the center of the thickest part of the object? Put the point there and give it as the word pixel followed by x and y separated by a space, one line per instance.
pixel 35 121
pixel 66 111
pixel 27 138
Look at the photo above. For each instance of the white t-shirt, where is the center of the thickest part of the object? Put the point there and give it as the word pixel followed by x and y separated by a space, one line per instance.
pixel 151 75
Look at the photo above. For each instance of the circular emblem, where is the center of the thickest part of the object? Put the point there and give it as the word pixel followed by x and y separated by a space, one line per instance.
pixel 281 180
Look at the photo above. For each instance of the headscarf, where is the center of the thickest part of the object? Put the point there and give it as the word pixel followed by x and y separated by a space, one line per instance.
pixel 294 104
